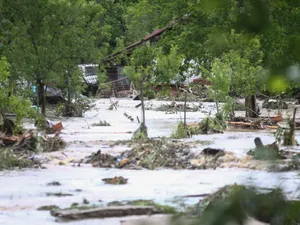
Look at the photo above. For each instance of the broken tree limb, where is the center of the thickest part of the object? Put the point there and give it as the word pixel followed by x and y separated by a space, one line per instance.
pixel 103 212
pixel 138 105
pixel 293 128
pixel 251 124
pixel 195 196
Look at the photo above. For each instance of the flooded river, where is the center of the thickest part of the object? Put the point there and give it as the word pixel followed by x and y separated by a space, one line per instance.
pixel 23 191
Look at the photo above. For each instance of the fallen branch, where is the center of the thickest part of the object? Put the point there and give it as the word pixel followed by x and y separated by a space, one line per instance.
pixel 75 214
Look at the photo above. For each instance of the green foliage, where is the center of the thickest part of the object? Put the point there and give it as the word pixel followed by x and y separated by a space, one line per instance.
pixel 207 125
pixel 221 75
pixel 45 40
pixel 51 35
pixel 9 160
pixel 238 69
pixel 181 131
pixel 167 65
pixel 284 136
pixel 71 83
pixel 103 86
pixel 233 204
pixel 141 133
pixel 140 67
pixel 10 103
pixel 264 154
pixel 75 108
pixel 150 94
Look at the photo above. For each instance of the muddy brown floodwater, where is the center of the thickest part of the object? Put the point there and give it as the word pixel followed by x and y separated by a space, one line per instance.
pixel 23 191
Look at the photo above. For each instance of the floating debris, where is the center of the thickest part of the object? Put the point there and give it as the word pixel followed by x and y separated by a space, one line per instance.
pixel 115 180
pixel 54 183
pixel 103 212
pixel 58 194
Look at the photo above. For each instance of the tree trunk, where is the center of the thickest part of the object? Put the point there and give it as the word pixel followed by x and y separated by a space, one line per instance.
pixel 68 96
pixel 184 110
pixel 143 105
pixel 8 125
pixel 289 136
pixel 42 97
pixel 293 128
pixel 250 104
pixel 141 133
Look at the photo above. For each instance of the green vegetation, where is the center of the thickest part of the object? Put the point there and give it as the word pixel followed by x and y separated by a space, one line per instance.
pixel 10 160
pixel 48 208
pixel 234 203
pixel 101 123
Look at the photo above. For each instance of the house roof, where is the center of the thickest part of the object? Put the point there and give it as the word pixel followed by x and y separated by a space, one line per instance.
pixel 132 46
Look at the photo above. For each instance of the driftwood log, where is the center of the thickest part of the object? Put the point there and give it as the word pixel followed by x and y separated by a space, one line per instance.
pixel 103 212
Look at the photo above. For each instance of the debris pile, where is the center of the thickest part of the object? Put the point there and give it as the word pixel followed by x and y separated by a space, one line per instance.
pixel 162 208
pixel 166 153
pixel 280 161
pixel 115 180
pixel 211 158
pixel 177 107
pixel 257 124
pixel 265 152
pixel 102 212
pixel 19 150
pixel 128 117
pixel 113 105
pixel 151 154
pixel 102 160
pixel 159 153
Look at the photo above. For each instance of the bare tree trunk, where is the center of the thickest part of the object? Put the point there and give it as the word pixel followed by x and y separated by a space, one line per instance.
pixel 143 105
pixel 293 128
pixel 68 96
pixel 250 104
pixel 141 133
pixel 184 110
pixel 42 97
pixel 8 125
